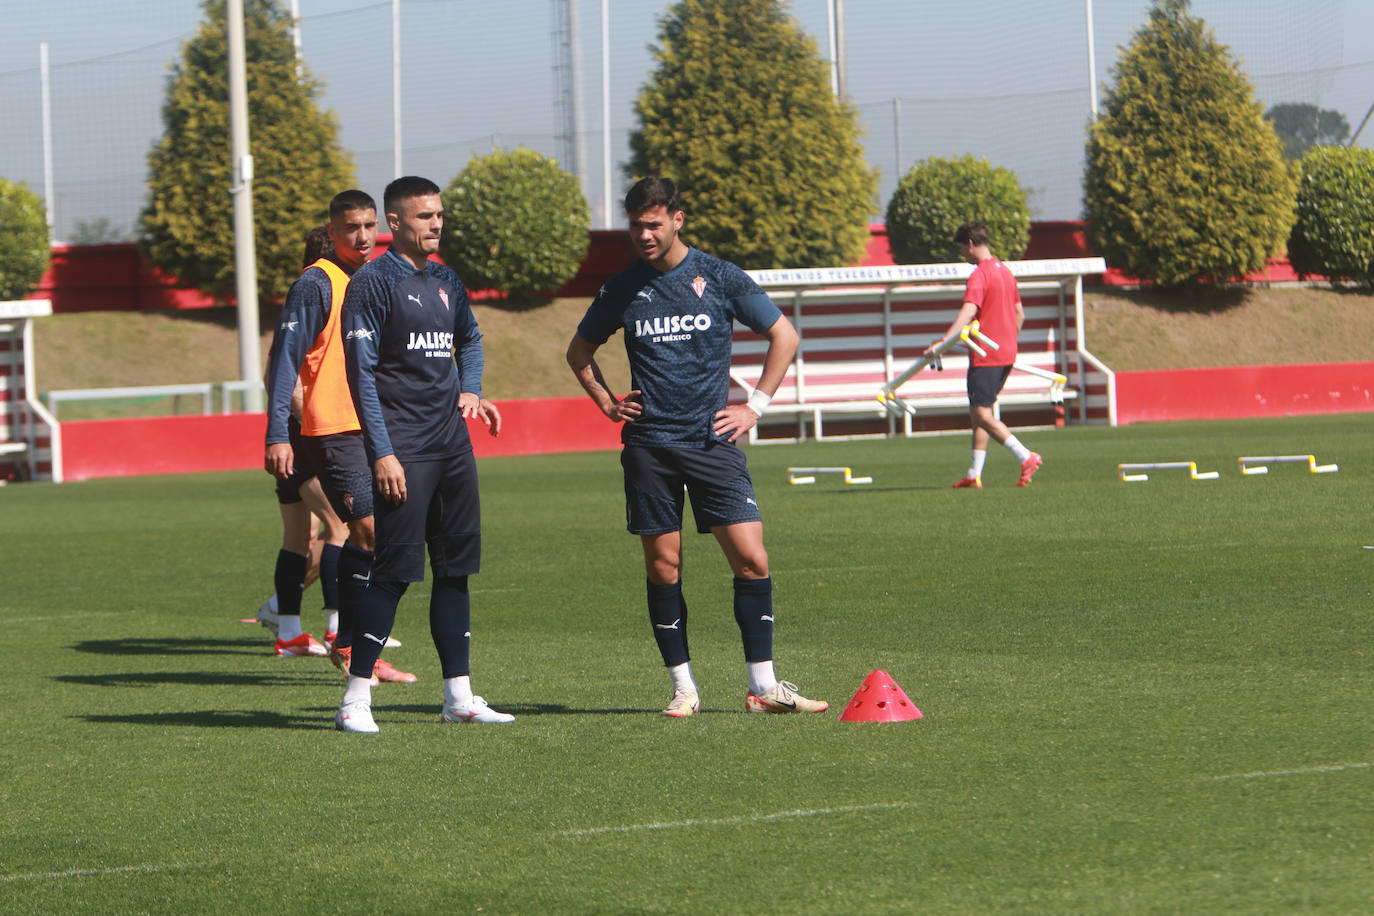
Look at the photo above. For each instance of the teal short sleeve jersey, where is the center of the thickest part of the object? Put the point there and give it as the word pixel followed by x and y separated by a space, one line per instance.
pixel 678 327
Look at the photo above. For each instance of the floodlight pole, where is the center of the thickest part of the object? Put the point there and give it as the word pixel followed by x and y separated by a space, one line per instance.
pixel 241 190
pixel 606 208
pixel 44 79
pixel 1092 62
pixel 396 88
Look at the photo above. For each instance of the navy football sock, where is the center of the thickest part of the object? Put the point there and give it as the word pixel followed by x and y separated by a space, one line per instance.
pixel 754 614
pixel 668 614
pixel 376 616
pixel 289 579
pixel 355 571
pixel 450 623
pixel 329 575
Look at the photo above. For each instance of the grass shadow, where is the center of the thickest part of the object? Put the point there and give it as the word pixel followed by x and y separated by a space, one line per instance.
pixel 516 302
pixel 143 645
pixel 198 679
pixel 515 709
pixel 213 718
pixel 1204 300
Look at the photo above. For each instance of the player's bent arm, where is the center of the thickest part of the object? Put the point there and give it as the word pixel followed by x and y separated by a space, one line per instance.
pixel 581 359
pixel 783 341
pixel 1020 315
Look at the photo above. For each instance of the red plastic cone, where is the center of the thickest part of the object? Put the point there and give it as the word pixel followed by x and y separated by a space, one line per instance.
pixel 879 699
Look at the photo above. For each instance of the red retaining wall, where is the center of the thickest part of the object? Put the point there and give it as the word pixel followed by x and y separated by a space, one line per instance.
pixel 1244 391
pixel 233 442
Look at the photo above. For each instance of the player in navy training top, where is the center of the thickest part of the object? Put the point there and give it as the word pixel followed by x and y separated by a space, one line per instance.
pixel 677 307
pixel 414 359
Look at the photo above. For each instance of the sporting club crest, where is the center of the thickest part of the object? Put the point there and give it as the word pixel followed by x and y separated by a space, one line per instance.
pixel 699 286
pixel 443 294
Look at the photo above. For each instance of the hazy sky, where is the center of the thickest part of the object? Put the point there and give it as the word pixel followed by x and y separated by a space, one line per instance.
pixel 1007 79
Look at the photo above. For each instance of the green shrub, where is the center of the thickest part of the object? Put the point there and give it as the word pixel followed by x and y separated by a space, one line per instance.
pixel 939 195
pixel 514 221
pixel 1334 233
pixel 24 248
pixel 1185 181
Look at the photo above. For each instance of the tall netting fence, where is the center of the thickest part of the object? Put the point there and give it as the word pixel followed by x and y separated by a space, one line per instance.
pixel 477 74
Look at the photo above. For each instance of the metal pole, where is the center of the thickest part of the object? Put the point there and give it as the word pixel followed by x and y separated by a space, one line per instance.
pixel 897 132
pixel 296 33
pixel 396 88
pixel 1362 124
pixel 241 190
pixel 45 81
pixel 830 32
pixel 606 113
pixel 1092 61
pixel 841 76
pixel 579 117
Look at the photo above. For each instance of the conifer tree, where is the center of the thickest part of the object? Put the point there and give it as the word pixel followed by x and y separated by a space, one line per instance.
pixel 740 114
pixel 298 164
pixel 1185 181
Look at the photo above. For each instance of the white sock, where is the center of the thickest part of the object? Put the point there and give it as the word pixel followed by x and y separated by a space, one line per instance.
pixel 761 677
pixel 331 620
pixel 359 688
pixel 975 468
pixel 682 677
pixel 458 690
pixel 1017 449
pixel 289 627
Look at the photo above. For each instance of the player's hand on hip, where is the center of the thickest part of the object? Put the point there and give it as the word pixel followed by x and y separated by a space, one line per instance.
pixel 391 479
pixel 629 408
pixel 488 414
pixel 279 461
pixel 736 420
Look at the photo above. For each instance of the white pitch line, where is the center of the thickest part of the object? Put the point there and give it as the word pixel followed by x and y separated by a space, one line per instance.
pixel 87 872
pixel 1305 771
pixel 739 819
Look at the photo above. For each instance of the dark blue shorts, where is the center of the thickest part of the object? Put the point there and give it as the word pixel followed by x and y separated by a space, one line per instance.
pixel 306 462
pixel 985 384
pixel 345 474
pixel 716 478
pixel 441 512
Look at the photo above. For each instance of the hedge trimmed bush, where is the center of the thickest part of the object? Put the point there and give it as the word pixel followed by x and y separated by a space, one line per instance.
pixel 1185 181
pixel 24 248
pixel 1334 233
pixel 514 221
pixel 939 195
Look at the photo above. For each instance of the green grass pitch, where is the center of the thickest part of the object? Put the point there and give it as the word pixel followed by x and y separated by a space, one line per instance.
pixel 1138 697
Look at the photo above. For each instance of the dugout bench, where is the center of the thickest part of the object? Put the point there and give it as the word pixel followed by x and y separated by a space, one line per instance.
pixel 862 326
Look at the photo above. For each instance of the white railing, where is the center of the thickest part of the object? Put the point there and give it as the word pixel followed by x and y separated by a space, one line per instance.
pixel 208 392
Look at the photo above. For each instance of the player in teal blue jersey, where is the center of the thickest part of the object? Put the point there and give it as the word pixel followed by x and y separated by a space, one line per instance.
pixel 677 307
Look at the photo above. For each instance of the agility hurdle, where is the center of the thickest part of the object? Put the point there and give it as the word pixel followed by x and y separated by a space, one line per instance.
pixel 795 480
pixel 1253 465
pixel 1131 471
pixel 887 395
pixel 970 337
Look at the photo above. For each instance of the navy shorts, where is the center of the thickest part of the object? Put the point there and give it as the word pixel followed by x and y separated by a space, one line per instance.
pixel 305 464
pixel 985 384
pixel 442 512
pixel 716 478
pixel 345 474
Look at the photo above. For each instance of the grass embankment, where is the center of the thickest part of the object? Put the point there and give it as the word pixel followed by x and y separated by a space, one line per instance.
pixel 525 345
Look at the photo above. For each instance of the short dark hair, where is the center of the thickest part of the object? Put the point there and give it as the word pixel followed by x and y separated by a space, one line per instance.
pixel 352 199
pixel 972 231
pixel 653 192
pixel 405 188
pixel 319 243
